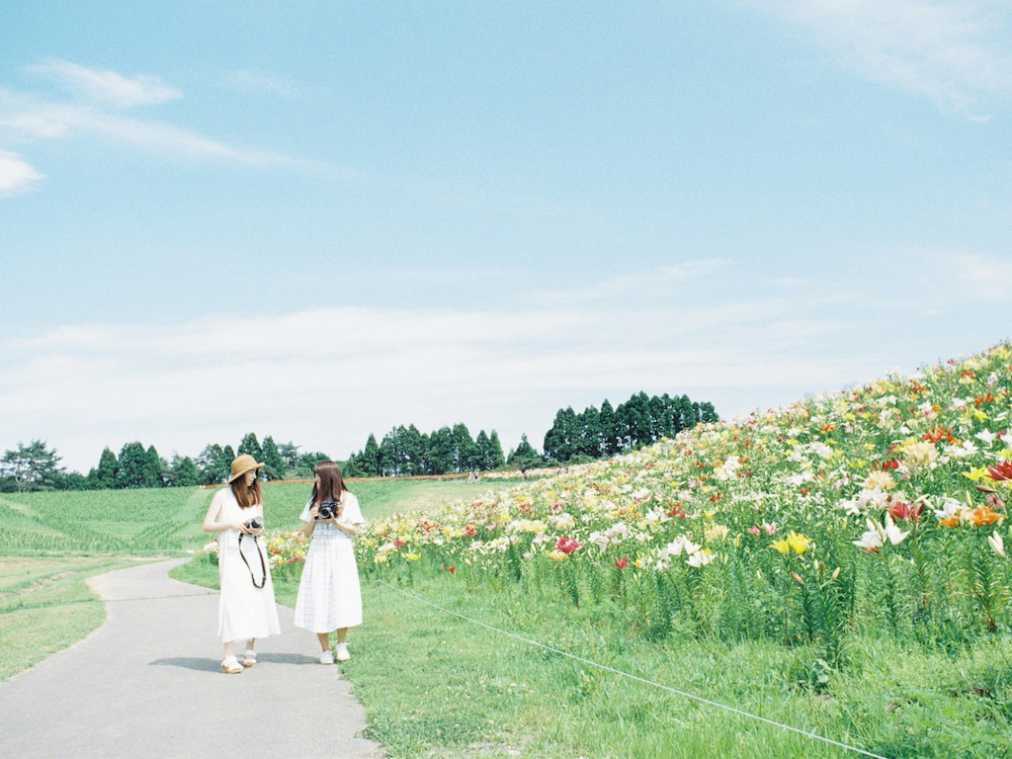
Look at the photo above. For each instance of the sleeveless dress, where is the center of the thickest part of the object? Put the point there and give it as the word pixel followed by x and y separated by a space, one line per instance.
pixel 244 611
pixel 329 594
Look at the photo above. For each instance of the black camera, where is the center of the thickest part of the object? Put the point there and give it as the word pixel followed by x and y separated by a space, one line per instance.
pixel 328 510
pixel 254 524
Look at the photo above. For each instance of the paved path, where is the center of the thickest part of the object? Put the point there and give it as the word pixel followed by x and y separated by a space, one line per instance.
pixel 147 684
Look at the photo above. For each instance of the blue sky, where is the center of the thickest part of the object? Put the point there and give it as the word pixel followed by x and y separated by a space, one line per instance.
pixel 321 220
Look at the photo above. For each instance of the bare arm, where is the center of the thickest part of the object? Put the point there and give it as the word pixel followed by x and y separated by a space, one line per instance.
pixel 308 527
pixel 211 523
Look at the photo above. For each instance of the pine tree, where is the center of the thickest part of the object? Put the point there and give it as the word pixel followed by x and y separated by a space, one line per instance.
pixel 524 457
pixel 274 465
pixel 370 460
pixel 183 472
pixel 250 445
pixel 105 475
pixel 496 457
pixel 153 469
pixel 133 466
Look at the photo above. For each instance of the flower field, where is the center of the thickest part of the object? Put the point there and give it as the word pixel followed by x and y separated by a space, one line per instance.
pixel 878 510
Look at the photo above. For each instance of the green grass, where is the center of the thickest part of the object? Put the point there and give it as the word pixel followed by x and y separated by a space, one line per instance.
pixel 435 685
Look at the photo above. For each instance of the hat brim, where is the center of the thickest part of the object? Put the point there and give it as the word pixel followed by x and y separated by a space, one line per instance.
pixel 237 475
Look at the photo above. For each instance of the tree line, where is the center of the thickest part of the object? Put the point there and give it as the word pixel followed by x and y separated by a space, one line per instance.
pixel 35 466
pixel 641 420
pixel 591 434
pixel 407 451
pixel 573 437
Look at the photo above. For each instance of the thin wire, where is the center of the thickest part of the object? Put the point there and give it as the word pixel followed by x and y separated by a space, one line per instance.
pixel 637 678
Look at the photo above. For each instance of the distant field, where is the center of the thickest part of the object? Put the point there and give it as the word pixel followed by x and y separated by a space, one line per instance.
pixel 165 521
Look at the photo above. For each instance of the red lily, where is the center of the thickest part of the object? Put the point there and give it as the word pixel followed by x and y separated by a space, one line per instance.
pixel 567 544
pixel 1002 471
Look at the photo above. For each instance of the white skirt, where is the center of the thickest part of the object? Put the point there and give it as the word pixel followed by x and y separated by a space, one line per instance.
pixel 244 611
pixel 329 594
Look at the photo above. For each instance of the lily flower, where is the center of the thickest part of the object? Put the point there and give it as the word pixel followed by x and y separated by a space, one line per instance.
pixel 997 544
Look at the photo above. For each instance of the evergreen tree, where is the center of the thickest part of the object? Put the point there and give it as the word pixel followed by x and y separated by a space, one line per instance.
pixel 153 469
pixel 606 421
pixel 465 450
pixel 524 457
pixel 105 474
pixel 183 472
pixel 484 452
pixel 370 460
pixel 132 471
pixel 496 457
pixel 251 446
pixel 274 465
pixel 289 454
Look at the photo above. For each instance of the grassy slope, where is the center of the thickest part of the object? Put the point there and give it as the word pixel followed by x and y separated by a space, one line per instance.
pixel 50 543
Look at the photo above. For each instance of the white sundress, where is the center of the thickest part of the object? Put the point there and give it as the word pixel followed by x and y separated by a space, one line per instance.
pixel 329 594
pixel 244 611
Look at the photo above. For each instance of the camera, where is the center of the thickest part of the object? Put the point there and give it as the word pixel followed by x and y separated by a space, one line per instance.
pixel 328 510
pixel 254 524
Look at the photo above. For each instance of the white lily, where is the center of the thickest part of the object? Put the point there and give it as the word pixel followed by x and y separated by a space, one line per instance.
pixel 700 558
pixel 997 544
pixel 894 533
pixel 871 540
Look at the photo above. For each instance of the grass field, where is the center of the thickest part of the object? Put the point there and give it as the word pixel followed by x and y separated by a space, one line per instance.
pixel 51 542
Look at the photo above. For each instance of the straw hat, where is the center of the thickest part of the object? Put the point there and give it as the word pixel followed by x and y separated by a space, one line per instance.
pixel 243 464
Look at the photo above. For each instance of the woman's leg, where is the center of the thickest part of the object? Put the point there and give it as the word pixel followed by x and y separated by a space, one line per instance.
pixel 342 635
pixel 229 652
pixel 251 644
pixel 324 639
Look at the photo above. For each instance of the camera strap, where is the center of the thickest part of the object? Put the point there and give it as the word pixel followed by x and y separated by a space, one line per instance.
pixel 263 564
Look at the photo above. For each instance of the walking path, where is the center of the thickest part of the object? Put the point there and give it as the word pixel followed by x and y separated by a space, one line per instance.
pixel 147 684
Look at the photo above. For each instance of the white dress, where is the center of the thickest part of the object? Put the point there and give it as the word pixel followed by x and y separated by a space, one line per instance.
pixel 329 594
pixel 244 611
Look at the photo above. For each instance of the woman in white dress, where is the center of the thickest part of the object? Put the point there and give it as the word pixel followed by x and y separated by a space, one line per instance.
pixel 246 607
pixel 329 595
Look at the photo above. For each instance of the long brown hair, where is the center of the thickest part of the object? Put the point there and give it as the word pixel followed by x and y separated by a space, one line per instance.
pixel 246 495
pixel 331 485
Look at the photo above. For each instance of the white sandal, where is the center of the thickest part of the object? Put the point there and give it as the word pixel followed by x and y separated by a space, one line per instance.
pixel 249 658
pixel 231 666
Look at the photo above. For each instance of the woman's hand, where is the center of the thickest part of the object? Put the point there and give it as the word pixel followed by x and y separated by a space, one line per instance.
pixel 241 527
pixel 314 511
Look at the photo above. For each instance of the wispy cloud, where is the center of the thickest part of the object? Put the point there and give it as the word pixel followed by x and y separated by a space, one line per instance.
pixel 16 174
pixel 950 51
pixel 106 86
pixel 98 113
pixel 262 83
pixel 662 281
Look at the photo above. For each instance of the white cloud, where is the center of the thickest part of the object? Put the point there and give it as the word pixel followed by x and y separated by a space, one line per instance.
pixel 16 174
pixel 259 82
pixel 327 377
pixel 105 86
pixel 950 51
pixel 663 281
pixel 28 117
pixel 979 276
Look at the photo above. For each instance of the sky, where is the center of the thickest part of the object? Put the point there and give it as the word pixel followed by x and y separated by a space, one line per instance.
pixel 317 220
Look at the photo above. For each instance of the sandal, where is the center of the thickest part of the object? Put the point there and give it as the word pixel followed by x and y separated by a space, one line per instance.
pixel 249 658
pixel 231 666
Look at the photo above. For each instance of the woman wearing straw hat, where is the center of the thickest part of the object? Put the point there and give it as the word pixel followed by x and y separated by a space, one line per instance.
pixel 246 607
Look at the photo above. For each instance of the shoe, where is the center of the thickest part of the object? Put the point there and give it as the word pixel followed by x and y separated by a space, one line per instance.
pixel 327 657
pixel 231 666
pixel 249 658
pixel 342 652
